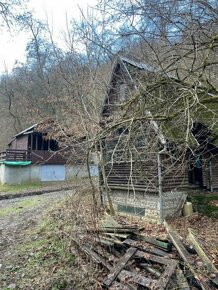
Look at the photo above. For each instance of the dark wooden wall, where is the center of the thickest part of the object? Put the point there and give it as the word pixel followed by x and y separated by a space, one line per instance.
pixel 207 179
pixel 142 175
pixel 19 143
pixel 41 157
pixel 175 174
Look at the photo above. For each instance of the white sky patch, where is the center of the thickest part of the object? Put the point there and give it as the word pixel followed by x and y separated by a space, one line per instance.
pixel 56 13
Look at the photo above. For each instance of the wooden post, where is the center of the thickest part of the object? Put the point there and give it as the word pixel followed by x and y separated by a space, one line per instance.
pixel 42 143
pixel 37 142
pixel 31 142
pixel 160 185
pixel 102 165
pixel 210 176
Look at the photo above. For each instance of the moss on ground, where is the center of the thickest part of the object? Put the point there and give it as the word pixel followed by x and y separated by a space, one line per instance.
pixel 204 203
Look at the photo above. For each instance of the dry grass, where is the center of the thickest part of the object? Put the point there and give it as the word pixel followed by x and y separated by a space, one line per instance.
pixel 51 258
pixel 206 229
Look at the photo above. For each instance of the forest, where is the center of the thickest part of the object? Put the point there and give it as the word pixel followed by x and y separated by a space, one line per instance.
pixel 178 38
pixel 135 84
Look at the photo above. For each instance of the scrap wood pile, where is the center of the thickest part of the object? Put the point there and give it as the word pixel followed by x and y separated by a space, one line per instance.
pixel 132 260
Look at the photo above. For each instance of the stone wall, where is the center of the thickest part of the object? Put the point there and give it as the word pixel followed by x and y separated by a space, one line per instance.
pixel 146 205
pixel 172 201
pixel 137 203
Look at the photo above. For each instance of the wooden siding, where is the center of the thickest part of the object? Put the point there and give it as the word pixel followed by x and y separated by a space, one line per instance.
pixel 46 157
pixel 175 175
pixel 20 143
pixel 132 176
pixel 206 172
pixel 215 172
pixel 143 175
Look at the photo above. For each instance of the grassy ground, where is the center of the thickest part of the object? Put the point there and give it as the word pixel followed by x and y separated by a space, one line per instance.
pixel 205 203
pixel 20 187
pixel 45 255
pixel 40 185
pixel 20 206
pixel 48 258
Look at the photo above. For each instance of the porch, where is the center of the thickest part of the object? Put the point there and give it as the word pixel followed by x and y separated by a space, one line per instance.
pixel 15 155
pixel 33 156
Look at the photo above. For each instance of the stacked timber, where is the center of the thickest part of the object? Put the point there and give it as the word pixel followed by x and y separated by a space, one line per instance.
pixel 134 261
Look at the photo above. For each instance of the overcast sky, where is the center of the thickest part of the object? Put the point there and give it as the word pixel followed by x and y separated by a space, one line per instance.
pixel 13 45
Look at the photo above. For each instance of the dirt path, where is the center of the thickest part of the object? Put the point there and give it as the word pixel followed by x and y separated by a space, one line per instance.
pixel 19 214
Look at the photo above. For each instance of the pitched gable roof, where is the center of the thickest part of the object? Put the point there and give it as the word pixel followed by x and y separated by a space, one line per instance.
pixel 134 69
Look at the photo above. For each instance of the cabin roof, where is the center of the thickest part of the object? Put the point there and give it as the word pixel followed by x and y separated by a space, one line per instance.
pixel 204 115
pixel 26 130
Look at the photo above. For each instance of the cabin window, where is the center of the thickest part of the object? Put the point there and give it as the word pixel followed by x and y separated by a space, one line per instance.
pixel 39 142
pixel 123 92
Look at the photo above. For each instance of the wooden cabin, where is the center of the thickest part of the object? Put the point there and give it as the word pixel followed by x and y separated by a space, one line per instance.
pixel 34 145
pixel 144 169
pixel 141 171
pixel 43 152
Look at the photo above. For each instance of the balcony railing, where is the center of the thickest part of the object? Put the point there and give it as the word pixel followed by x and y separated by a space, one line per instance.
pixel 15 155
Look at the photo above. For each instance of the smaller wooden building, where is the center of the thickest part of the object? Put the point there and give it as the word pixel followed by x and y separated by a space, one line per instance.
pixel 35 144
pixel 43 152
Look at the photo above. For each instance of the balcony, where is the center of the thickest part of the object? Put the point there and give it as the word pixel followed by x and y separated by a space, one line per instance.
pixel 15 155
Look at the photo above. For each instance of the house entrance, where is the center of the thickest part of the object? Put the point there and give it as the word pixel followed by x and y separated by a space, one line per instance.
pixel 195 172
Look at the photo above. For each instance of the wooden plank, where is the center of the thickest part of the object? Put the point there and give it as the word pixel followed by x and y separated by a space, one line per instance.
pixel 150 269
pixel 154 251
pixel 153 258
pixel 199 249
pixel 181 280
pixel 117 235
pixel 96 257
pixel 187 258
pixel 163 281
pixel 115 230
pixel 179 246
pixel 119 266
pixel 168 272
pixel 163 245
pixel 134 277
pixel 121 286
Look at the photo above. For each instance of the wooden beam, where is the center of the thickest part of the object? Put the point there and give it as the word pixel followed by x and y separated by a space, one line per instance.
pixel 118 267
pixel 179 246
pixel 196 243
pixel 135 244
pixel 171 265
pixel 137 278
pixel 121 276
pixel 163 281
pixel 163 245
pixel 181 280
pixel 186 257
pixel 154 258
pixel 151 269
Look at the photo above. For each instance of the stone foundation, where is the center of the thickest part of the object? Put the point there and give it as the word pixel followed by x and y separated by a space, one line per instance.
pixel 146 205
pixel 32 173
